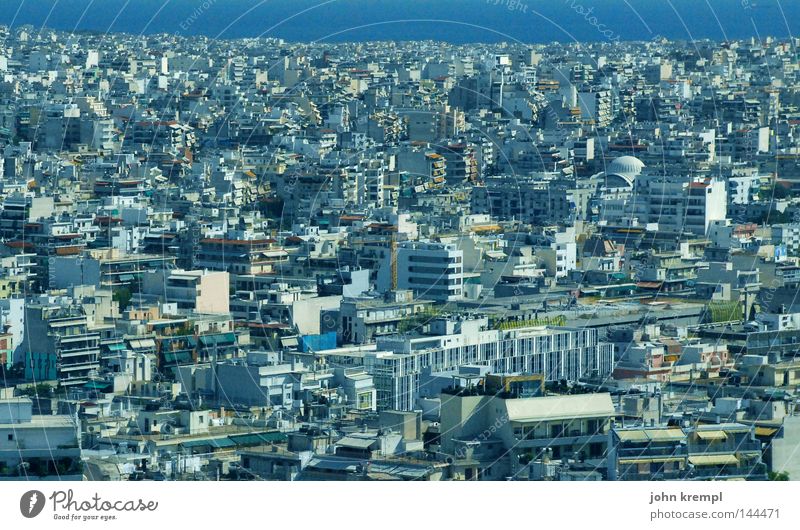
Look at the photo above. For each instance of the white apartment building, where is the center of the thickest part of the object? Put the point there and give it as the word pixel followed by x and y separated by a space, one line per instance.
pixel 788 235
pixel 743 189
pixel 675 203
pixel 433 271
pixel 397 362
pixel 561 256
pixel 41 442
pixel 372 174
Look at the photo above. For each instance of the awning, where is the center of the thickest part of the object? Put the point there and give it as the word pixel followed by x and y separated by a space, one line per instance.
pixel 259 438
pixel 712 435
pixel 97 385
pixel 714 460
pixel 765 431
pixel 486 228
pixel 117 346
pixel 142 344
pixel 216 443
pixel 218 339
pixel 289 342
pixel 649 285
pixel 666 435
pixel 246 440
pixel 184 356
pixel 632 436
pixel 273 436
pixel 651 460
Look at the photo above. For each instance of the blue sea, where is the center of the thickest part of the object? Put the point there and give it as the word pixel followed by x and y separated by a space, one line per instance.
pixel 457 21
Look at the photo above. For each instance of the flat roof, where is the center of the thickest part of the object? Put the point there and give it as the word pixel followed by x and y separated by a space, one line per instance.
pixel 356 443
pixel 42 422
pixel 559 407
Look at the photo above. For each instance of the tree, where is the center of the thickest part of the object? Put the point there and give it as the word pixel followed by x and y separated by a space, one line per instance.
pixel 778 475
pixel 773 217
pixel 38 390
pixel 777 191
pixel 123 298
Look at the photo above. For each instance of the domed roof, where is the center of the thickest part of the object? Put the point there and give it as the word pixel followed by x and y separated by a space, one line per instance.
pixel 628 166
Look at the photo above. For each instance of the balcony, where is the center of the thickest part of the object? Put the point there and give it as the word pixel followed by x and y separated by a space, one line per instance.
pixel 634 474
pixel 66 339
pixel 573 438
pixel 82 366
pixel 756 471
pixel 726 448
pixel 650 451
pixel 79 352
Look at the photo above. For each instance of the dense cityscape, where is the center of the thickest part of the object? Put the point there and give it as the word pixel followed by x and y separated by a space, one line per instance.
pixel 253 259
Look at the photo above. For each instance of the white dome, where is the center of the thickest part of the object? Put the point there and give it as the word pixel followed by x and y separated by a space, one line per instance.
pixel 628 166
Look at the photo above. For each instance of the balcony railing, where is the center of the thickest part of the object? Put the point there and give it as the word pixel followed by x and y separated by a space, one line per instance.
pixel 658 475
pixel 728 447
pixel 723 472
pixel 647 452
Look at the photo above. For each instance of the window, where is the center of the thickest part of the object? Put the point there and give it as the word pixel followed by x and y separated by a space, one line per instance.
pixel 10 437
pixel 365 401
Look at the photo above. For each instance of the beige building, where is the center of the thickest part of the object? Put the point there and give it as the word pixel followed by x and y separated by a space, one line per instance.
pixel 781 374
pixel 201 290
